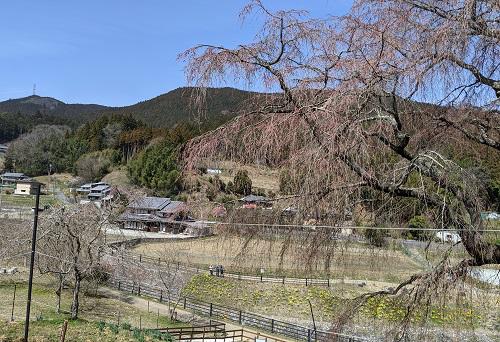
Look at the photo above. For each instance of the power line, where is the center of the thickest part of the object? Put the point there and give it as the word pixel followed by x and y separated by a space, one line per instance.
pixel 313 227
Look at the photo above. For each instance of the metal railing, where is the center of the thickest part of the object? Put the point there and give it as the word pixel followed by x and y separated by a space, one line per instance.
pixel 217 311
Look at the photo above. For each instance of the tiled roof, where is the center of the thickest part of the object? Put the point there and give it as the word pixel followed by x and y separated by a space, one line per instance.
pixel 156 203
pixel 14 175
pixel 254 198
pixel 100 187
pixel 173 207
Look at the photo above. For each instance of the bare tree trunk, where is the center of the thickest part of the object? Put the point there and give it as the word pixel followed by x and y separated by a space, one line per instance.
pixel 76 292
pixel 59 292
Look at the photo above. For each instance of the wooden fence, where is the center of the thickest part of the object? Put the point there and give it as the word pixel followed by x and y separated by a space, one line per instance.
pixel 263 279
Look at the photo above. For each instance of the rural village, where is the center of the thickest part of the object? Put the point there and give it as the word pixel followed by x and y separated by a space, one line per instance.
pixel 351 194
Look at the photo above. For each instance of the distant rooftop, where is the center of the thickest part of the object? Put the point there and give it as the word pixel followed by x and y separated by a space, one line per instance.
pixel 14 175
pixel 86 187
pixel 157 203
pixel 100 187
pixel 254 198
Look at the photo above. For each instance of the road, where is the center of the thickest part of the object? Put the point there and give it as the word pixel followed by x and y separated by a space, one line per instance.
pixel 113 230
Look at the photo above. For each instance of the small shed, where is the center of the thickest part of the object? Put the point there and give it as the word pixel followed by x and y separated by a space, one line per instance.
pixel 26 188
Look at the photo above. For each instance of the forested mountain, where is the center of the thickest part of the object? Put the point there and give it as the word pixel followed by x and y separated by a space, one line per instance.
pixel 179 105
pixel 32 105
pixel 20 115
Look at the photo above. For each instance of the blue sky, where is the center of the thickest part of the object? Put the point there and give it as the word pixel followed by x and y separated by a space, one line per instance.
pixel 117 52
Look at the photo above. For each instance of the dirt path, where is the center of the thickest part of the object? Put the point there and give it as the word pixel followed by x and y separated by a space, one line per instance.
pixel 163 309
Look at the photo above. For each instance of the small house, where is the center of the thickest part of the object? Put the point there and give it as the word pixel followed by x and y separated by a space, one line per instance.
pixel 253 202
pixel 99 192
pixel 154 214
pixel 95 191
pixel 13 177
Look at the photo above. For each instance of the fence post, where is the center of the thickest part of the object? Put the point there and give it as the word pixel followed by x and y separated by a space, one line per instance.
pixel 63 331
pixel 306 281
pixel 328 281
pixel 119 285
pixel 261 278
pixel 13 304
pixel 139 290
pixel 140 257
pixel 239 318
pixel 148 306
pixel 184 302
pixel 211 309
pixel 133 285
pixel 283 280
pixel 159 261
pixel 161 296
pixel 272 325
pixel 308 335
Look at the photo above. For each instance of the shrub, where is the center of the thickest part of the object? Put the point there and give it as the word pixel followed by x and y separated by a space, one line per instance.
pixel 375 237
pixel 95 165
pixel 242 184
pixel 126 326
pixel 101 325
pixel 418 221
pixel 114 328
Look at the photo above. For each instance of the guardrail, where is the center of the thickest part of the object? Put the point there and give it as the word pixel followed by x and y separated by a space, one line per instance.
pixel 241 317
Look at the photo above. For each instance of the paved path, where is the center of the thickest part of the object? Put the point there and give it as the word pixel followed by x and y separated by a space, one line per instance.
pixel 145 235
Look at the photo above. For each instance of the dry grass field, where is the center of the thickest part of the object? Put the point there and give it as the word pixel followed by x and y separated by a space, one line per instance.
pixel 353 260
pixel 262 177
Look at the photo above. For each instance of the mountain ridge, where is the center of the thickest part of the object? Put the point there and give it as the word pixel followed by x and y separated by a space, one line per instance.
pixel 163 110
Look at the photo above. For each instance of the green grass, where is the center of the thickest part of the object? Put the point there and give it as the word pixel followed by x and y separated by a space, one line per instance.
pixel 93 309
pixel 77 331
pixel 288 302
pixel 26 201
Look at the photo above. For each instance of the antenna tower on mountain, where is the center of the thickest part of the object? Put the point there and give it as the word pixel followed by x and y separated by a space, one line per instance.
pixel 34 89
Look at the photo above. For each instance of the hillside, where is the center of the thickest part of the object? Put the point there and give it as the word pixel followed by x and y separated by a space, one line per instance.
pixel 179 106
pixel 162 111
pixel 33 105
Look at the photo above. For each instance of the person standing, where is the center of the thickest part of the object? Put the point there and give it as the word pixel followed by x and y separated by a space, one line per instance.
pixel 211 270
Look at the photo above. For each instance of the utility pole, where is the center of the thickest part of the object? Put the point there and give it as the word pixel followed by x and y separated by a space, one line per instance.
pixel 32 262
